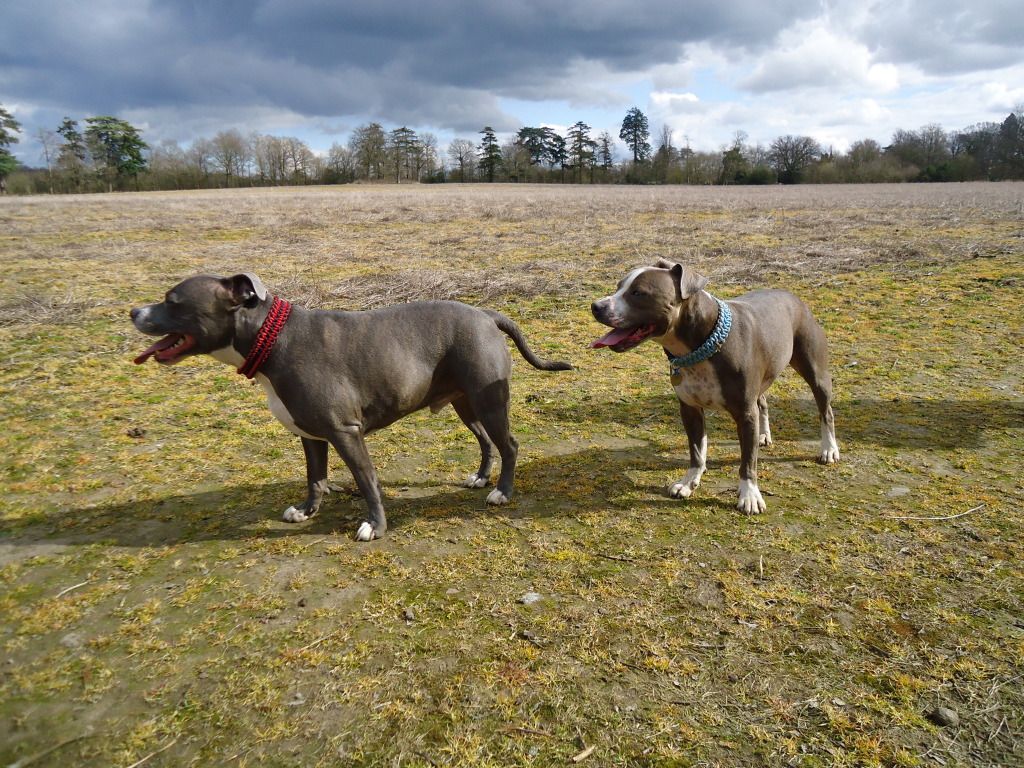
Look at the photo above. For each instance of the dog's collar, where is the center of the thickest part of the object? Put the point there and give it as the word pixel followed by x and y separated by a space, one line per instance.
pixel 710 346
pixel 265 338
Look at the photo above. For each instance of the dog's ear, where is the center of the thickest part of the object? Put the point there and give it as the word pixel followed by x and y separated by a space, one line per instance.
pixel 246 289
pixel 664 264
pixel 687 280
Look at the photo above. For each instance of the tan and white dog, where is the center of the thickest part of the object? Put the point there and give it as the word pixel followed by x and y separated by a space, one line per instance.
pixel 722 355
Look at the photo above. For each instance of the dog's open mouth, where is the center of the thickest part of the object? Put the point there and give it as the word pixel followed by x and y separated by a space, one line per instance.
pixel 170 349
pixel 621 339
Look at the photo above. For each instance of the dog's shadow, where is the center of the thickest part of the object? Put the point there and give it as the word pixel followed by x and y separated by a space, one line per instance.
pixel 892 423
pixel 546 486
pixel 254 511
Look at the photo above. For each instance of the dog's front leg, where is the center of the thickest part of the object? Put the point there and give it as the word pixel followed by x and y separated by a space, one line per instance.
pixel 316 481
pixel 350 444
pixel 693 423
pixel 750 500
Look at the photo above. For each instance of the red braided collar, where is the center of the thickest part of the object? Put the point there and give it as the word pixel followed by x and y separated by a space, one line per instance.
pixel 272 325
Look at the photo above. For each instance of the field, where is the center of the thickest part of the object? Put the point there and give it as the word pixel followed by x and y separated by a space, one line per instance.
pixel 155 610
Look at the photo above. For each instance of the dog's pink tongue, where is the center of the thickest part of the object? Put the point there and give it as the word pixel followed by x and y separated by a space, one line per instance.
pixel 612 338
pixel 164 343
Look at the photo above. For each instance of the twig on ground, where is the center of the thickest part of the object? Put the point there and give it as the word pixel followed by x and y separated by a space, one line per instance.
pixel 945 517
pixel 317 642
pixel 40 755
pixel 168 745
pixel 75 586
pixel 584 754
pixel 614 557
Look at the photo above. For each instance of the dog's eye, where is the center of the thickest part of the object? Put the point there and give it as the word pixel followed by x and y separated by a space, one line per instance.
pixel 638 292
pixel 170 298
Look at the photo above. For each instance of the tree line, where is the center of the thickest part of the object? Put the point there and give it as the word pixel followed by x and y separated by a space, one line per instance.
pixel 107 153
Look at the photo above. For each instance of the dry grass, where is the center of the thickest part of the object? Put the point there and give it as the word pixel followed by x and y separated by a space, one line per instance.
pixel 154 606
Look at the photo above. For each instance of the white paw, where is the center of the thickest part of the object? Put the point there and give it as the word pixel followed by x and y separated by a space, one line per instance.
pixel 829 455
pixel 475 481
pixel 294 515
pixel 750 502
pixel 685 487
pixel 497 498
pixel 765 438
pixel 365 532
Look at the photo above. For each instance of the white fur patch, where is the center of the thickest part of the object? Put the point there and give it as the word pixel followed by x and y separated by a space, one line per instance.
pixel 617 301
pixel 829 447
pixel 475 481
pixel 685 487
pixel 699 387
pixel 763 429
pixel 293 515
pixel 750 502
pixel 228 355
pixel 279 409
pixel 497 498
pixel 364 532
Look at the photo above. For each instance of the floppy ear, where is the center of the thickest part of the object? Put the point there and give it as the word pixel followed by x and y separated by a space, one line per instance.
pixel 664 264
pixel 688 281
pixel 246 289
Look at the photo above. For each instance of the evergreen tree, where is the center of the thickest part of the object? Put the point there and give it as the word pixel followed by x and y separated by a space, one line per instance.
pixel 605 157
pixel 489 153
pixel 8 128
pixel 1009 149
pixel 635 132
pixel 580 147
pixel 116 148
pixel 72 154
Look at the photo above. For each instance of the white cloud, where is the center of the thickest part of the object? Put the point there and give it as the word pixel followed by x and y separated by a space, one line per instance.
pixel 812 55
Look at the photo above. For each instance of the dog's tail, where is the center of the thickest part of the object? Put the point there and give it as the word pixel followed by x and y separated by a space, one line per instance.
pixel 510 329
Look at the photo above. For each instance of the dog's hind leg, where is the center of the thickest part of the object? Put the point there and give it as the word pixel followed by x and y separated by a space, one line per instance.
pixel 490 404
pixel 316 482
pixel 482 476
pixel 810 360
pixel 763 428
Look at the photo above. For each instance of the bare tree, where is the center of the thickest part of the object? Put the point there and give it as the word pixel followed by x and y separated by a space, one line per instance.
pixel 200 157
pixel 462 153
pixel 790 155
pixel 341 164
pixel 230 154
pixel 369 146
pixel 515 159
pixel 50 143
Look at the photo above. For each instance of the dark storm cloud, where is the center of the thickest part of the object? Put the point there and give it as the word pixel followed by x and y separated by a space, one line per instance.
pixel 434 62
pixel 946 37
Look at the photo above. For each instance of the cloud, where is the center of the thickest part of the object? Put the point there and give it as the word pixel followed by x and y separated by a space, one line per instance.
pixel 317 67
pixel 943 37
pixel 811 55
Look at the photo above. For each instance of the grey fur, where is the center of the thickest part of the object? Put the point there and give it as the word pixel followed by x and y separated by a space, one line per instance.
pixel 340 376
pixel 770 330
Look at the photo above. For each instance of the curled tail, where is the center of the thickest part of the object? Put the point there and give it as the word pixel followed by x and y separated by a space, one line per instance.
pixel 511 330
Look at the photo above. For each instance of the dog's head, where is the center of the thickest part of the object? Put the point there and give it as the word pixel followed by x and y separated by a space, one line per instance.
pixel 197 315
pixel 646 304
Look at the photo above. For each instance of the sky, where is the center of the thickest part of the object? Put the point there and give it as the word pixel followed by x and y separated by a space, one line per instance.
pixel 707 69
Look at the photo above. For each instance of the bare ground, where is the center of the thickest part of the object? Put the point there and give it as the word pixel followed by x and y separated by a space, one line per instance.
pixel 155 608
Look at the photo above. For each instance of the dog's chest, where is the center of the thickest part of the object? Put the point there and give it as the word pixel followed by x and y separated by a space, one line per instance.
pixel 277 408
pixel 698 386
pixel 280 410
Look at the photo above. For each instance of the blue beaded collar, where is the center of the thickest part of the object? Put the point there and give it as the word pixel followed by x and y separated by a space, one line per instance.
pixel 713 343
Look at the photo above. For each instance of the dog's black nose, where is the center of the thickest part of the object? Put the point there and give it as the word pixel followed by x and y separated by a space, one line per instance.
pixel 595 308
pixel 135 312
